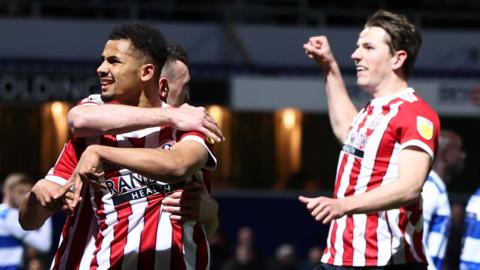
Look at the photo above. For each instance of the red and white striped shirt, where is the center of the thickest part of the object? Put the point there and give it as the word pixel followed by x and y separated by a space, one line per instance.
pixel 124 227
pixel 369 159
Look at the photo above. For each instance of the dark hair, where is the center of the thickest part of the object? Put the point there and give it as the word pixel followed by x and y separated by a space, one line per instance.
pixel 145 39
pixel 177 52
pixel 403 35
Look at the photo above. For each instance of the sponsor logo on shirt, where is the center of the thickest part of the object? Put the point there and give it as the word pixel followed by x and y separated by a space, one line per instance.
pixel 352 150
pixel 134 195
pixel 128 182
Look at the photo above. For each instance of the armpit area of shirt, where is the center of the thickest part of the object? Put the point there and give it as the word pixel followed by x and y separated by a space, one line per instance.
pixel 212 160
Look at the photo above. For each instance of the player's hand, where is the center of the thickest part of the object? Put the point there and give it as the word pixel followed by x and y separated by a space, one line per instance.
pixel 89 171
pixel 188 117
pixel 192 203
pixel 65 195
pixel 323 209
pixel 318 48
pixel 50 195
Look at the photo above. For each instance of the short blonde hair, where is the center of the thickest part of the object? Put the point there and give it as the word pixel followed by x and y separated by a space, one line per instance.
pixel 16 178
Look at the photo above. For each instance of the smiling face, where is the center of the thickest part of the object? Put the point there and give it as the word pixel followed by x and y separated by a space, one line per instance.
pixel 374 61
pixel 120 72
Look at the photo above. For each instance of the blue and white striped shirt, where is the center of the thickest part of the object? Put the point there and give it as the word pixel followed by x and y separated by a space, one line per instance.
pixel 12 238
pixel 470 257
pixel 436 215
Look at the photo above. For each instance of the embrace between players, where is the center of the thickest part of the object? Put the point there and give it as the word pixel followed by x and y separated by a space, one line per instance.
pixel 133 176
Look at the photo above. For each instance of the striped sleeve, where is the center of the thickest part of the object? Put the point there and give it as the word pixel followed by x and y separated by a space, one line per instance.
pixel 66 162
pixel 201 138
pixel 469 258
pixel 436 213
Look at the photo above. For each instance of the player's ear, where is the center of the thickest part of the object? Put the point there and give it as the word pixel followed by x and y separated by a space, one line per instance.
pixel 147 72
pixel 163 88
pixel 399 58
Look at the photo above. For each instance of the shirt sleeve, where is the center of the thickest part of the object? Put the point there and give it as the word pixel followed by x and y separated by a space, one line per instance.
pixel 419 127
pixel 68 158
pixel 201 138
pixel 471 241
pixel 66 162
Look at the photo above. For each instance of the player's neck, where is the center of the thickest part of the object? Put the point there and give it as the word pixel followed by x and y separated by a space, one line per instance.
pixel 389 88
pixel 149 98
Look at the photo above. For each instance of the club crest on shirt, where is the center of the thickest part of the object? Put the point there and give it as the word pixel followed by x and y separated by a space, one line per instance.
pixel 358 140
pixel 424 127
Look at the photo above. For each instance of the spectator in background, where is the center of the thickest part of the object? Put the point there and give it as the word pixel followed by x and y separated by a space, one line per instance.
pixel 246 254
pixel 246 236
pixel 470 255
pixel 245 259
pixel 12 236
pixel 220 250
pixel 314 256
pixel 35 264
pixel 454 245
pixel 285 258
pixel 436 207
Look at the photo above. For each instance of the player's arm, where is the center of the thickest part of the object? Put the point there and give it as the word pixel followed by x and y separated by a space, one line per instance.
pixel 41 202
pixel 88 120
pixel 414 165
pixel 413 168
pixel 341 109
pixel 193 202
pixel 180 162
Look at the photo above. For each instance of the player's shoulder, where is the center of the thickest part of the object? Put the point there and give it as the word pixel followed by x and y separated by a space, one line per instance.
pixel 4 211
pixel 413 104
pixel 477 192
pixel 474 203
pixel 7 212
pixel 413 101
